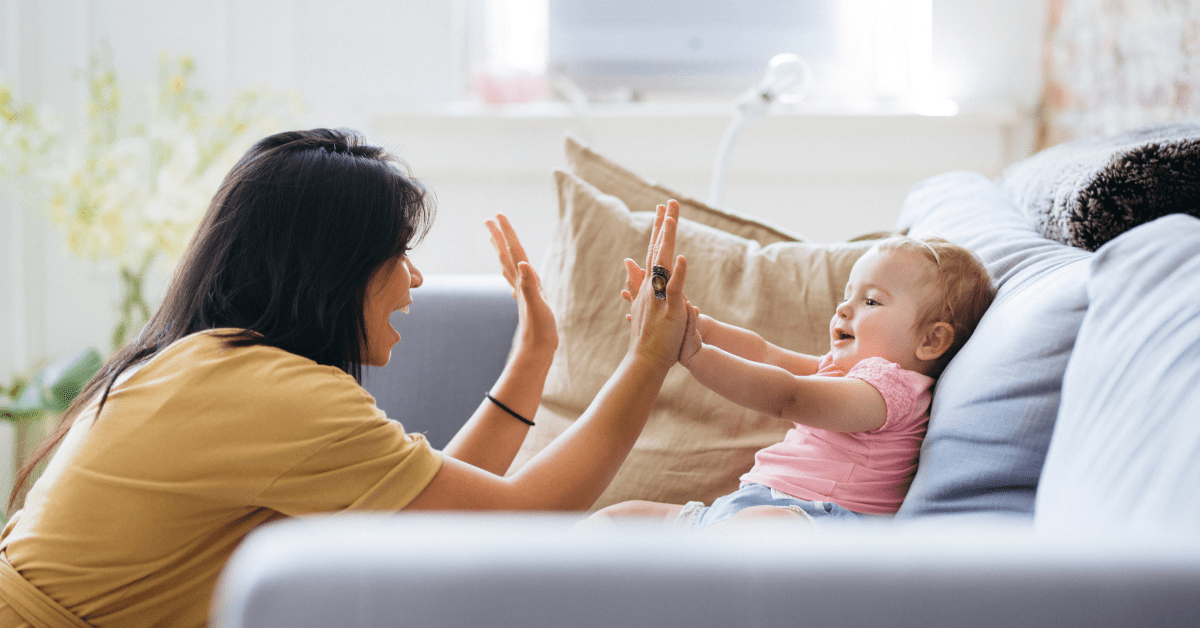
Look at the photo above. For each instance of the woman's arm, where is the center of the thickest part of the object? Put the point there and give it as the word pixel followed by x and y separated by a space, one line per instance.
pixel 491 438
pixel 837 404
pixel 572 472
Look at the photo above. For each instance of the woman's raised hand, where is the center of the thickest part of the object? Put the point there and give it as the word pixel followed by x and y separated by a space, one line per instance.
pixel 537 331
pixel 634 274
pixel 658 321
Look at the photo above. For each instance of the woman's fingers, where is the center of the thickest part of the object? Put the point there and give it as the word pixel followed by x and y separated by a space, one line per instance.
pixel 527 281
pixel 665 254
pixel 497 239
pixel 507 267
pixel 660 212
pixel 663 247
pixel 512 254
pixel 678 276
pixel 510 238
pixel 659 324
pixel 633 280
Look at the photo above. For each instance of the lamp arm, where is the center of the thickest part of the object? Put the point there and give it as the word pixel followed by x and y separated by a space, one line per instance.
pixel 788 80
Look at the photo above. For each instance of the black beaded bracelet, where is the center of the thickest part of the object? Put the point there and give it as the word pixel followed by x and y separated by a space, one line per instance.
pixel 508 410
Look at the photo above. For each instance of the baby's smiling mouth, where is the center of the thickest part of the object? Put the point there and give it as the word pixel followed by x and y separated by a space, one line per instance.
pixel 842 335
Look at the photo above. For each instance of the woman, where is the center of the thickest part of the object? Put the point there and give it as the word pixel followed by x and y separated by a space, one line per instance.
pixel 239 402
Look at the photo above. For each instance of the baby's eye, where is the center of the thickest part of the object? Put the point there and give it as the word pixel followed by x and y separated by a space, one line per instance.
pixel 870 301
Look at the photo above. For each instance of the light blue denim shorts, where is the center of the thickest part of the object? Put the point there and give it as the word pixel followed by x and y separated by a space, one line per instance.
pixel 695 516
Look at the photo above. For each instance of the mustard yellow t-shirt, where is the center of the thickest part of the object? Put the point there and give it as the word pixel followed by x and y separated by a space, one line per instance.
pixel 140 509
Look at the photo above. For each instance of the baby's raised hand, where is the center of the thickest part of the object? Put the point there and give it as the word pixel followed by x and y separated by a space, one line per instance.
pixel 633 280
pixel 692 341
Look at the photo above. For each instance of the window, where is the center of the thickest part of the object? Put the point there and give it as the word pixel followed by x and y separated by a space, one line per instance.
pixel 864 53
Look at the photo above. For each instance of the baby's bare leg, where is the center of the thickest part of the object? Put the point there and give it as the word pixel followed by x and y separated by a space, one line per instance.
pixel 637 512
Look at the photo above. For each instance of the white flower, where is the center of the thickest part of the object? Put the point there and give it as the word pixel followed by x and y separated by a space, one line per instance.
pixel 131 193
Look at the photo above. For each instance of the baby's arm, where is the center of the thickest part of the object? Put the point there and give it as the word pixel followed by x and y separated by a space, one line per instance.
pixel 838 404
pixel 751 346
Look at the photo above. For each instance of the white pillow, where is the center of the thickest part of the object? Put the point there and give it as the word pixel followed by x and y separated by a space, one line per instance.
pixel 1125 452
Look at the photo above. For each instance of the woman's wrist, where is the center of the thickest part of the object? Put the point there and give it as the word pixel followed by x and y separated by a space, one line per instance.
pixel 532 361
pixel 650 371
pixel 644 358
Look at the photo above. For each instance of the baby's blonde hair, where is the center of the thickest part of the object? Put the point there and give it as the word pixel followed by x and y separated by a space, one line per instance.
pixel 966 286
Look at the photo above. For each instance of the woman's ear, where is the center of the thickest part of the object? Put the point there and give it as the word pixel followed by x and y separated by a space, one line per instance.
pixel 938 338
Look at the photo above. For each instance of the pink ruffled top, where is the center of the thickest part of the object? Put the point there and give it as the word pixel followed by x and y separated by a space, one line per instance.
pixel 867 472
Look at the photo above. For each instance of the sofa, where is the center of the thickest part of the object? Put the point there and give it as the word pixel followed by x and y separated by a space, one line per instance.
pixel 1058 484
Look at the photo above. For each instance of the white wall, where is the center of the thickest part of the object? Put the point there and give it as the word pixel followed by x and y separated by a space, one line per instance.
pixel 985 51
pixel 388 67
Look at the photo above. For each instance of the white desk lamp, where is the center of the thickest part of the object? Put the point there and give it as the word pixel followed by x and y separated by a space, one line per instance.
pixel 788 79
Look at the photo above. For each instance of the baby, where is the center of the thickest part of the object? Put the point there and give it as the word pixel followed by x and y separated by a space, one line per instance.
pixel 860 411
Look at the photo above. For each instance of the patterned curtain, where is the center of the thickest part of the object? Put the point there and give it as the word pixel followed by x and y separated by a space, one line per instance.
pixel 1115 65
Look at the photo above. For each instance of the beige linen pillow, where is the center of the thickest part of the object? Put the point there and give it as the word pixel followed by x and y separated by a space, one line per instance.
pixel 641 194
pixel 695 444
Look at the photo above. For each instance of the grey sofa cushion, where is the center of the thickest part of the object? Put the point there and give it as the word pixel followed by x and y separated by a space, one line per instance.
pixel 1125 450
pixel 994 406
pixel 522 571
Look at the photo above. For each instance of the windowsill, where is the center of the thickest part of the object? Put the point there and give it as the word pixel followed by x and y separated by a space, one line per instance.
pixel 700 108
pixel 825 174
pixel 672 140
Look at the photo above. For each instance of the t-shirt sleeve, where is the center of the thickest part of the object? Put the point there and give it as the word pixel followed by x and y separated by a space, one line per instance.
pixel 352 458
pixel 378 467
pixel 906 393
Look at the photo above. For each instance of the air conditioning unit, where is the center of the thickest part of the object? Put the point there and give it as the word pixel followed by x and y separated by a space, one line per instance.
pixel 683 45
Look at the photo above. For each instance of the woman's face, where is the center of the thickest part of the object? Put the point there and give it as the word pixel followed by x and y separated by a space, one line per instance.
pixel 387 292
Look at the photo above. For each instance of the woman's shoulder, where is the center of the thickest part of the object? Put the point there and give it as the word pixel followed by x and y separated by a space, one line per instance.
pixel 220 346
pixel 207 360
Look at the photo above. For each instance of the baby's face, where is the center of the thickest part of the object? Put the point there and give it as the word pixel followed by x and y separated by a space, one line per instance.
pixel 884 298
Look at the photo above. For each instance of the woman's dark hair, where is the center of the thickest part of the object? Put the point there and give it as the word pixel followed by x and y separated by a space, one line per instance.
pixel 284 255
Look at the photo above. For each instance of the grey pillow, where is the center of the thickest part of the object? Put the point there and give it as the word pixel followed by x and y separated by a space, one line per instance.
pixel 1126 450
pixel 994 406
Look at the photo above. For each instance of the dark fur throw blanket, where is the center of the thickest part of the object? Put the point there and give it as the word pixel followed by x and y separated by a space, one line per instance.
pixel 1087 192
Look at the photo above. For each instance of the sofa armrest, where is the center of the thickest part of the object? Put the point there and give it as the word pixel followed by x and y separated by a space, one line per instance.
pixel 533 571
pixel 453 345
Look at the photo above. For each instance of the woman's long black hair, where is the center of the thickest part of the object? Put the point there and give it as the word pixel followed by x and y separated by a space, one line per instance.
pixel 283 255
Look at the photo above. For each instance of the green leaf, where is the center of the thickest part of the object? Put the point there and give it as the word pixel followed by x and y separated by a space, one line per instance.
pixel 30 403
pixel 64 380
pixel 55 387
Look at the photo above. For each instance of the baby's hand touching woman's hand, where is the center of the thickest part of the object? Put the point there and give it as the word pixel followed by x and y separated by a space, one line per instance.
pixel 692 340
pixel 635 275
